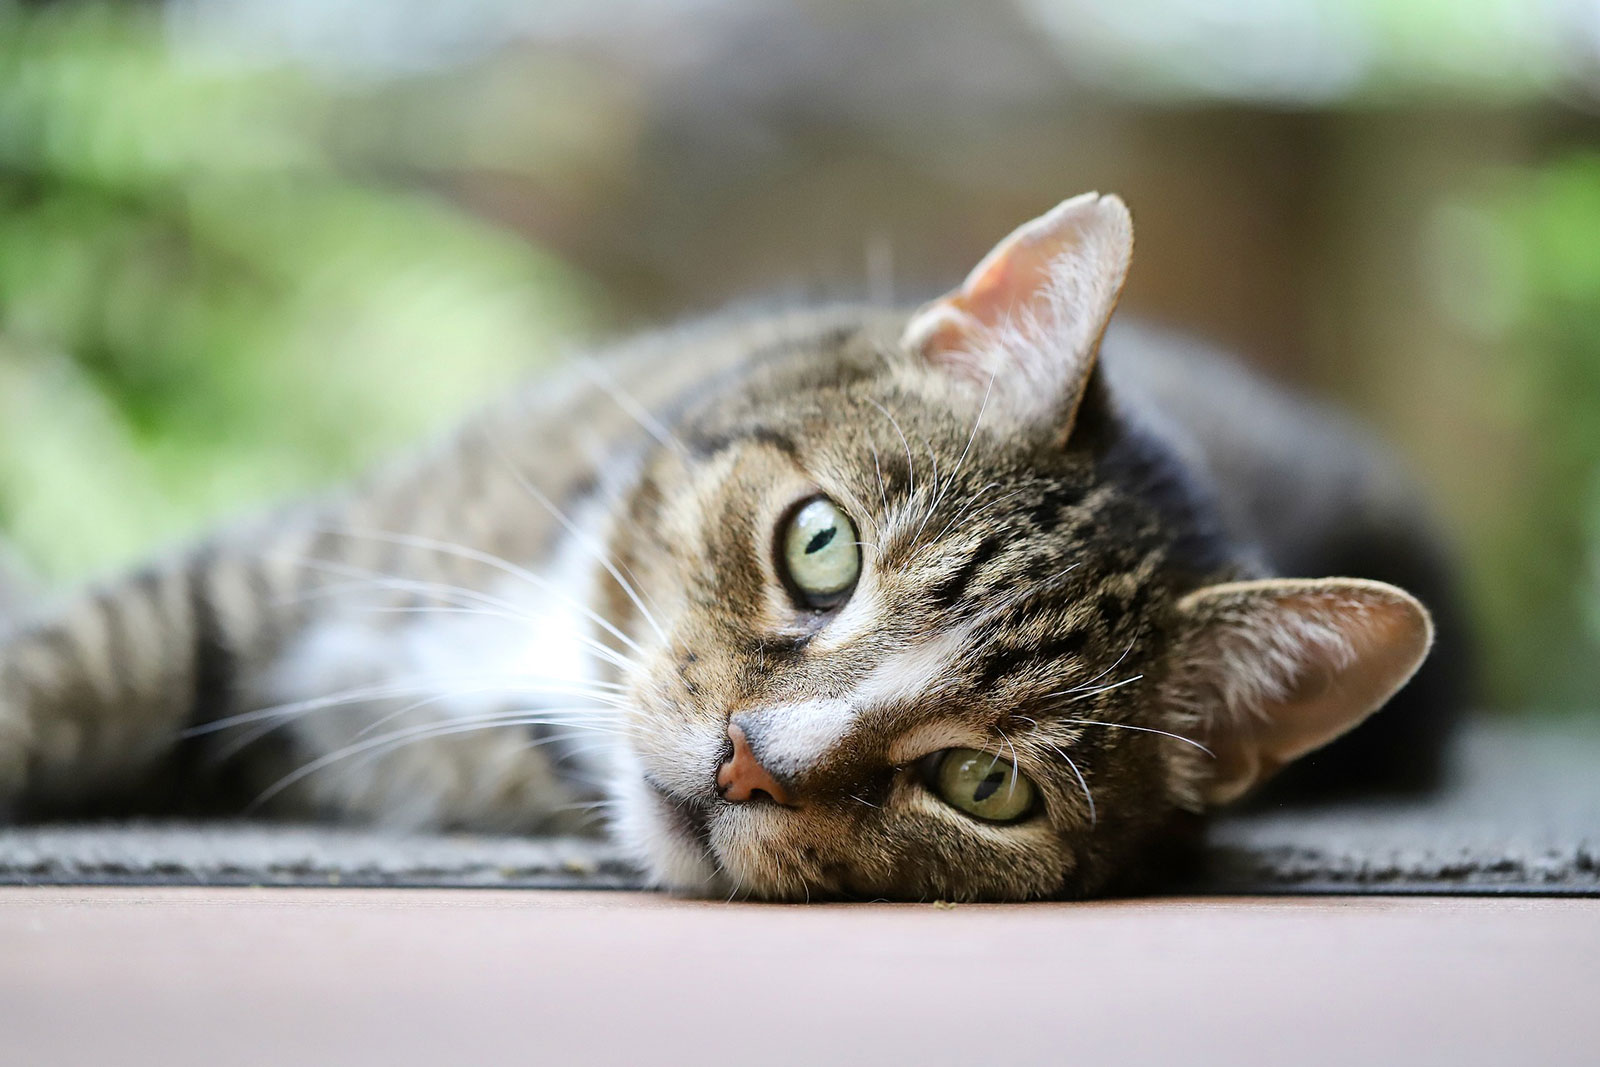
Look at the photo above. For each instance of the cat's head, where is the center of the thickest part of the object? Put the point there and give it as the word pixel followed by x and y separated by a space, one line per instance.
pixel 929 617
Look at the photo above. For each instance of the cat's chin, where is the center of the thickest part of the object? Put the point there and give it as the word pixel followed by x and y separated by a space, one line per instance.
pixel 676 845
pixel 667 840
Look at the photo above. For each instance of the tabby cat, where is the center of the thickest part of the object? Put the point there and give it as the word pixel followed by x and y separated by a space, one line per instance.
pixel 850 602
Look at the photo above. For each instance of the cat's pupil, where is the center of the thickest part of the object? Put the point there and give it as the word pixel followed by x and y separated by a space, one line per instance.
pixel 820 540
pixel 987 787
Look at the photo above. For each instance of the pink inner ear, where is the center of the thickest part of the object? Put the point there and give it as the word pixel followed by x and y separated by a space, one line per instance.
pixel 944 333
pixel 1297 663
pixel 1029 317
pixel 1014 278
pixel 1019 274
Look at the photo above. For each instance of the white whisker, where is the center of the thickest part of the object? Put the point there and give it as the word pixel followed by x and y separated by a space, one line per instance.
pixel 627 403
pixel 877 468
pixel 911 467
pixel 1082 782
pixel 941 491
pixel 1016 770
pixel 426 731
pixel 1084 694
pixel 1090 683
pixel 506 609
pixel 585 542
pixel 428 684
pixel 966 508
pixel 429 544
pixel 1141 729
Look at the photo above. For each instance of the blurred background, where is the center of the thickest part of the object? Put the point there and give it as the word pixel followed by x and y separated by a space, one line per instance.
pixel 246 246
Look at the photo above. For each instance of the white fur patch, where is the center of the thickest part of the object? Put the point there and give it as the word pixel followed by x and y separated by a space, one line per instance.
pixel 524 653
pixel 907 675
pixel 796 737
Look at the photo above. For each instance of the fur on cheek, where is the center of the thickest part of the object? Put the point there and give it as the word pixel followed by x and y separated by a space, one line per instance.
pixel 660 840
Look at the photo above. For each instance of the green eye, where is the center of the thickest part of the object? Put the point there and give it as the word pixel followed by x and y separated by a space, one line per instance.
pixel 982 784
pixel 819 555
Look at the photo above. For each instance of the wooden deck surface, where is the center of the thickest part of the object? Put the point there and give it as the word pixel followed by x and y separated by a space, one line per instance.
pixel 274 976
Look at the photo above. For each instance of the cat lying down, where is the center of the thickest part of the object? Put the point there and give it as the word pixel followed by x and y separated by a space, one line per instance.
pixel 847 602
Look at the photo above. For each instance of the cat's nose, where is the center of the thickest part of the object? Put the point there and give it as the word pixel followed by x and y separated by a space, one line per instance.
pixel 743 778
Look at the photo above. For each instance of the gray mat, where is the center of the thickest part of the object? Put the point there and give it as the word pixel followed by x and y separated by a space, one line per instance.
pixel 1522 816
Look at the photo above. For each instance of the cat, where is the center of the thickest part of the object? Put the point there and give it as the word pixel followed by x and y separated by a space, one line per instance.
pixel 846 602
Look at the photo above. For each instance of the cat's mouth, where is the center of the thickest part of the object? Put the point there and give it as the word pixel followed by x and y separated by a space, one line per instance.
pixel 689 819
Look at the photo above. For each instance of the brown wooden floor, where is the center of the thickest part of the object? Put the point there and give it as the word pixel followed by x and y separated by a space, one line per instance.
pixel 274 976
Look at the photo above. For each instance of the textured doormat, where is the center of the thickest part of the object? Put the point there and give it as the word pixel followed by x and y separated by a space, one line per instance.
pixel 1521 816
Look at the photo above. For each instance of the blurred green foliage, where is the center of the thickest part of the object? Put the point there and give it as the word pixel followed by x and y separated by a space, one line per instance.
pixel 1542 581
pixel 224 277
pixel 201 307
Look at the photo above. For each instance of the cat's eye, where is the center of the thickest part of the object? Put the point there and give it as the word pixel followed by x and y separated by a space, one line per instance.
pixel 985 785
pixel 818 554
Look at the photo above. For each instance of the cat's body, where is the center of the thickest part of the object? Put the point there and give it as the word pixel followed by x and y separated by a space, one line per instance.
pixel 586 595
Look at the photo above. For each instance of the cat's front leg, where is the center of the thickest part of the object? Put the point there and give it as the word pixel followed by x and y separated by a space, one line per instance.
pixel 95 692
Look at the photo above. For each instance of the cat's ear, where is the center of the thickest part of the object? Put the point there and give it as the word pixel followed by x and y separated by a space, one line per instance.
pixel 1025 326
pixel 1279 668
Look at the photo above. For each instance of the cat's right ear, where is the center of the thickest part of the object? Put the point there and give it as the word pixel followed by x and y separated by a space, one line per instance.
pixel 1025 327
pixel 1280 667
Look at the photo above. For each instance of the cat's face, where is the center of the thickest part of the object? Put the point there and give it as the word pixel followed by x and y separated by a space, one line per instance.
pixel 926 619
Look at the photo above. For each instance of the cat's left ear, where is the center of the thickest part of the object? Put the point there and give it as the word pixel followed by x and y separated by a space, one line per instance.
pixel 1025 326
pixel 1279 668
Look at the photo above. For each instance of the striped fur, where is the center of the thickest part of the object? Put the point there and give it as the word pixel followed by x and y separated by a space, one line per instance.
pixel 555 613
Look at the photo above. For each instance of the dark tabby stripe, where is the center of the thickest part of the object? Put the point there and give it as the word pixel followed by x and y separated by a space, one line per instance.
pixel 948 592
pixel 213 658
pixel 1005 660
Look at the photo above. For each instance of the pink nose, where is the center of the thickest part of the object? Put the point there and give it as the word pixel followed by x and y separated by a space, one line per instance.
pixel 743 778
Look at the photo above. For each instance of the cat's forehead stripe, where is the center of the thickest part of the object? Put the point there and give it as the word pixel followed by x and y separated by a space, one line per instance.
pixel 793 738
pixel 909 674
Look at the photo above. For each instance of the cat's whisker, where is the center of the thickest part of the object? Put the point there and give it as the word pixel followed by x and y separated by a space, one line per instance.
pixel 1016 769
pixel 958 516
pixel 596 804
pixel 399 738
pixel 617 507
pixel 738 886
pixel 1141 729
pixel 363 578
pixel 1006 603
pixel 858 507
pixel 238 744
pixel 387 691
pixel 877 468
pixel 584 541
pixel 941 491
pixel 911 467
pixel 1084 694
pixel 600 712
pixel 1082 782
pixel 604 651
pixel 996 501
pixel 226 752
pixel 933 501
pixel 507 610
pixel 289 708
pixel 627 403
pixel 1092 681
pixel 488 559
